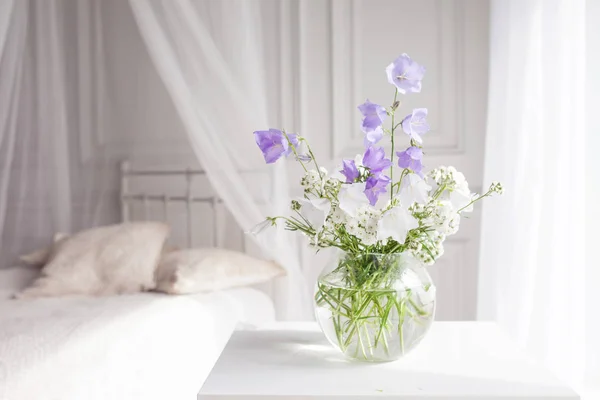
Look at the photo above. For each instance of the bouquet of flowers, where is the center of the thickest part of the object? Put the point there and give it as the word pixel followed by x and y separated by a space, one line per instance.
pixel 386 226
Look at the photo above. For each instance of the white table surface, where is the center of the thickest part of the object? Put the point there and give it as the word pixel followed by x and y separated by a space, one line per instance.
pixel 456 360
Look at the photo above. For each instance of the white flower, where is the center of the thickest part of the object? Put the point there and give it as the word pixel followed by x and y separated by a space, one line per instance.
pixel 395 223
pixel 315 211
pixel 414 189
pixel 456 187
pixel 352 197
pixel 323 178
pixel 358 161
pixel 260 227
pixel 458 177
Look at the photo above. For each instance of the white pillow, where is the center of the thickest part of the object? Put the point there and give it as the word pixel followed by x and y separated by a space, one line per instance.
pixel 205 270
pixel 102 261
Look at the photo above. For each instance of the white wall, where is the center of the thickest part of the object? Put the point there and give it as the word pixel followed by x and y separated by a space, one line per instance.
pixel 592 171
pixel 325 58
pixel 344 47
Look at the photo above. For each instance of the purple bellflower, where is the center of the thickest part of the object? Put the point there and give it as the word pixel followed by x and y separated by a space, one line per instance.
pixel 373 116
pixel 415 124
pixel 350 171
pixel 302 155
pixel 375 160
pixel 375 186
pixel 274 145
pixel 373 136
pixel 405 74
pixel 411 159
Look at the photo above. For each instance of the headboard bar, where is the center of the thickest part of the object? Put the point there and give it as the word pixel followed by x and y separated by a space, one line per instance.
pixel 188 199
pixel 131 172
pixel 162 198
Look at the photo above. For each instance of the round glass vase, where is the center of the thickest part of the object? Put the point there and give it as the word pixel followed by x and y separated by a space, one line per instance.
pixel 375 307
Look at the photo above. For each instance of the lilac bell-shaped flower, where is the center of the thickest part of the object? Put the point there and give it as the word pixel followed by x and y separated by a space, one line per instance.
pixel 405 74
pixel 415 124
pixel 350 171
pixel 411 159
pixel 373 116
pixel 375 160
pixel 274 144
pixel 376 185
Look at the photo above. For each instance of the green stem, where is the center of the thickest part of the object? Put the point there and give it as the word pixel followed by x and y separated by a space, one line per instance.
pixel 294 150
pixel 312 156
pixel 401 324
pixel 418 309
pixel 393 147
pixel 476 199
pixel 369 345
pixel 439 191
pixel 399 183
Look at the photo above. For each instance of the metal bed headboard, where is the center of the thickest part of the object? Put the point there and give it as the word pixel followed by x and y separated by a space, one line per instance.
pixel 128 198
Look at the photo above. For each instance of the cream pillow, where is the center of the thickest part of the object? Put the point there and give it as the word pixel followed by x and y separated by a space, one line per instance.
pixel 102 261
pixel 206 270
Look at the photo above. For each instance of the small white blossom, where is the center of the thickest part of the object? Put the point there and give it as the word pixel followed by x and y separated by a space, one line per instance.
pixel 363 225
pixel 311 180
pixel 440 215
pixel 336 216
pixel 496 187
pixel 456 187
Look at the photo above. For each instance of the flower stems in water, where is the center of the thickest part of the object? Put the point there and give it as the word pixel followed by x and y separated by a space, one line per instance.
pixel 370 317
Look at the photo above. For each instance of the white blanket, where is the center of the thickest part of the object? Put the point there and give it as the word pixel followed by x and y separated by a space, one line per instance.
pixel 145 346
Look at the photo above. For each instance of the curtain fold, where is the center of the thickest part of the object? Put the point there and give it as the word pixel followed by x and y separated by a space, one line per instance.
pixel 45 184
pixel 209 55
pixel 13 34
pixel 532 262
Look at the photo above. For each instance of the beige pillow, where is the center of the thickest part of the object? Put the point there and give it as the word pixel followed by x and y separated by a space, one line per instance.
pixel 205 270
pixel 102 261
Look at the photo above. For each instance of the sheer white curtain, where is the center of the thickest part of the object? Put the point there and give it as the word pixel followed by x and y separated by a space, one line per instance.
pixel 532 264
pixel 210 56
pixel 47 183
pixel 13 34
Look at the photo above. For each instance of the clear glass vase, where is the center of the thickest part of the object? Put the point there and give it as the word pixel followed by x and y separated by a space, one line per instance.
pixel 375 307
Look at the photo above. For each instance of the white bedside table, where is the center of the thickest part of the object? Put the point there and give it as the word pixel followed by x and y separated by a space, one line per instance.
pixel 457 360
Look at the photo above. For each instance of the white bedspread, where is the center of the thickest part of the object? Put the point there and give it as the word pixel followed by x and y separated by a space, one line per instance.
pixel 145 346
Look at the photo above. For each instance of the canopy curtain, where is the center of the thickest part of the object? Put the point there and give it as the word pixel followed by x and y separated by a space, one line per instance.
pixel 532 263
pixel 52 175
pixel 209 55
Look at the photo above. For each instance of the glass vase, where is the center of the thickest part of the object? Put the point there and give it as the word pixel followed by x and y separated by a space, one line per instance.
pixel 374 307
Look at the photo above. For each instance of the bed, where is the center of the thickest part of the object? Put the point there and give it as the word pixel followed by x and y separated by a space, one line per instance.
pixel 141 346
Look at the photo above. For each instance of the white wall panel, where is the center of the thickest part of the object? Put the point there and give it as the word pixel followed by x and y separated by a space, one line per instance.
pixel 345 46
